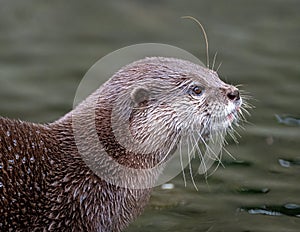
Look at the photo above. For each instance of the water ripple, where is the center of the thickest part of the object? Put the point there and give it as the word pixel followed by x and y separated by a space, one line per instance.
pixel 289 209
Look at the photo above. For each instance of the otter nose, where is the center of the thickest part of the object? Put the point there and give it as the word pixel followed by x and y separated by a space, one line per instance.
pixel 234 95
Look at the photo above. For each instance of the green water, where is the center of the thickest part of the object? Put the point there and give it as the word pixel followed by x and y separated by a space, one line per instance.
pixel 47 46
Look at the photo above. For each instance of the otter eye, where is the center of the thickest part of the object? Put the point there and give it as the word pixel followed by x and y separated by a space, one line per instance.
pixel 197 90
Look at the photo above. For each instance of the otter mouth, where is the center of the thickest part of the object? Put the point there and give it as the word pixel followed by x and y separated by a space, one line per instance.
pixel 224 121
pixel 233 115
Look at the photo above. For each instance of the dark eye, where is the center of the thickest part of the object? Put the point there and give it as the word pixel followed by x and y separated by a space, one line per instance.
pixel 197 90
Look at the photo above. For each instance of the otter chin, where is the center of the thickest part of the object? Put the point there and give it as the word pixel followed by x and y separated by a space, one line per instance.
pixel 93 169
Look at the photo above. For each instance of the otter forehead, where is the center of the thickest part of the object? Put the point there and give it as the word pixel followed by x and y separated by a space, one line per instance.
pixel 175 70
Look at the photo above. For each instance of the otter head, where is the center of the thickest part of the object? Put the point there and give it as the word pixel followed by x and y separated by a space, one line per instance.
pixel 145 111
pixel 155 102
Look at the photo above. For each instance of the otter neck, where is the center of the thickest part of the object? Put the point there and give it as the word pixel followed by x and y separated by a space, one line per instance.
pixel 115 133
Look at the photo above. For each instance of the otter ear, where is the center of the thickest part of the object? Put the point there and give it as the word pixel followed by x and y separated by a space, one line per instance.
pixel 140 96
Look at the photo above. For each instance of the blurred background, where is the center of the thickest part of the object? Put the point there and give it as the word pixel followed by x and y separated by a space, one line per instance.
pixel 46 47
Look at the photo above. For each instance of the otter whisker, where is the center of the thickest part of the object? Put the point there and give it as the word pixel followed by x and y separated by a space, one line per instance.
pixel 228 153
pixel 212 152
pixel 174 142
pixel 196 141
pixel 205 36
pixel 242 127
pixel 190 164
pixel 217 166
pixel 242 118
pixel 181 163
pixel 244 92
pixel 238 86
pixel 214 60
pixel 232 135
pixel 246 104
pixel 246 111
pixel 202 158
pixel 241 115
pixel 221 142
pixel 247 123
pixel 235 132
pixel 219 66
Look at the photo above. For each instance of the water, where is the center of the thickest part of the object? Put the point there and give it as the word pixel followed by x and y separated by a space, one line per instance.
pixel 47 46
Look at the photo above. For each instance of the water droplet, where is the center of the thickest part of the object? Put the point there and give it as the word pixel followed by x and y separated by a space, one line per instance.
pixel 15 142
pixel 33 145
pixel 264 211
pixel 1 184
pixel 51 162
pixel 24 160
pixel 28 171
pixel 32 159
pixel 284 163
pixel 11 161
pixel 9 148
pixel 1 165
pixel 292 206
pixel 17 156
pixel 167 186
pixel 8 133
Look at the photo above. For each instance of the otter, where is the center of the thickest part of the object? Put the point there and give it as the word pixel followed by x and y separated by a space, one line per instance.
pixel 50 183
